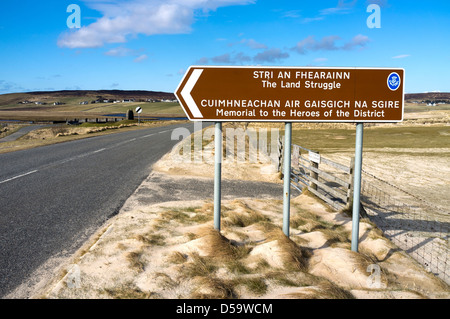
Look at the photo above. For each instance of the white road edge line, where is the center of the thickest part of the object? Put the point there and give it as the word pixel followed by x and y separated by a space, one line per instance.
pixel 102 149
pixel 18 176
pixel 145 136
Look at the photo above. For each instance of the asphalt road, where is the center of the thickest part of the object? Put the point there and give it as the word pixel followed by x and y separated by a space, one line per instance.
pixel 53 198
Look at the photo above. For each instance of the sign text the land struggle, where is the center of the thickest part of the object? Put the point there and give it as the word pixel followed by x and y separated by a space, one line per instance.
pixel 292 94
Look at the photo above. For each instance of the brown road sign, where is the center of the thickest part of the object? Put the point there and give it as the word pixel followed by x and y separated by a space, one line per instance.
pixel 290 94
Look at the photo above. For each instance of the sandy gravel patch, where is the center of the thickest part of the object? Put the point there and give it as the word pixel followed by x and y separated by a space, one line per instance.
pixel 236 164
pixel 171 250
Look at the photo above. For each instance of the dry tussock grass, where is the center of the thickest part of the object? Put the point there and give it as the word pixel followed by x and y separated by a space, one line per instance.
pixel 176 258
pixel 293 279
pixel 218 246
pixel 213 288
pixel 325 290
pixel 309 222
pixel 362 260
pixel 242 216
pixel 135 260
pixel 128 292
pixel 151 239
pixel 198 266
pixel 222 255
pixel 294 257
pixel 186 216
pixel 256 285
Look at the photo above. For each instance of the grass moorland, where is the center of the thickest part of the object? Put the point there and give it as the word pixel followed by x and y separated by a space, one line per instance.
pixel 374 137
pixel 12 106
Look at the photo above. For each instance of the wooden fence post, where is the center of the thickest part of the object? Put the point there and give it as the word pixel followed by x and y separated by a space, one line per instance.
pixel 295 156
pixel 314 175
pixel 350 181
pixel 295 161
pixel 280 154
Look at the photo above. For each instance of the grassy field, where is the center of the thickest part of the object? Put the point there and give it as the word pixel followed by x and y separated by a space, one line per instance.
pixel 89 110
pixel 11 107
pixel 330 140
pixel 156 108
pixel 415 108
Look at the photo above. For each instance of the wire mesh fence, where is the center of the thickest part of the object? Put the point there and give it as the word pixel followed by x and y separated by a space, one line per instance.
pixel 419 228
pixel 415 225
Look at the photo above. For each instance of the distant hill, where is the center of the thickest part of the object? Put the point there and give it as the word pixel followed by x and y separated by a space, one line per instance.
pixel 432 96
pixel 14 98
pixel 119 94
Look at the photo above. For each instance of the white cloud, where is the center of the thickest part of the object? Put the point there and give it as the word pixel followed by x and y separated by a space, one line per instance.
pixel 343 7
pixel 292 14
pixel 226 58
pixel 120 51
pixel 126 52
pixel 308 20
pixel 381 3
pixel 241 58
pixel 202 61
pixel 122 20
pixel 141 58
pixel 401 56
pixel 10 87
pixel 252 44
pixel 270 55
pixel 310 44
pixel 328 43
pixel 358 41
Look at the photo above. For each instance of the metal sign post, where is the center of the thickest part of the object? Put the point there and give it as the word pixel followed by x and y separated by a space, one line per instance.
pixel 287 177
pixel 139 111
pixel 357 185
pixel 217 173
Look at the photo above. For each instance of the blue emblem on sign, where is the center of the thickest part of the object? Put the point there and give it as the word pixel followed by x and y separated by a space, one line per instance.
pixel 393 81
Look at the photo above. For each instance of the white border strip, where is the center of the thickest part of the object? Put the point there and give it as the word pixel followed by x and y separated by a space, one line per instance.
pixel 18 176
pixel 186 93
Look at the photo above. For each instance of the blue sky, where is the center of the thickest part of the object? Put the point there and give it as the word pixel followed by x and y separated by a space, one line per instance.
pixel 149 44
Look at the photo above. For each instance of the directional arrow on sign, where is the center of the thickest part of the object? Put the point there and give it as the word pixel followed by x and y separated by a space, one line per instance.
pixel 186 93
pixel 292 94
